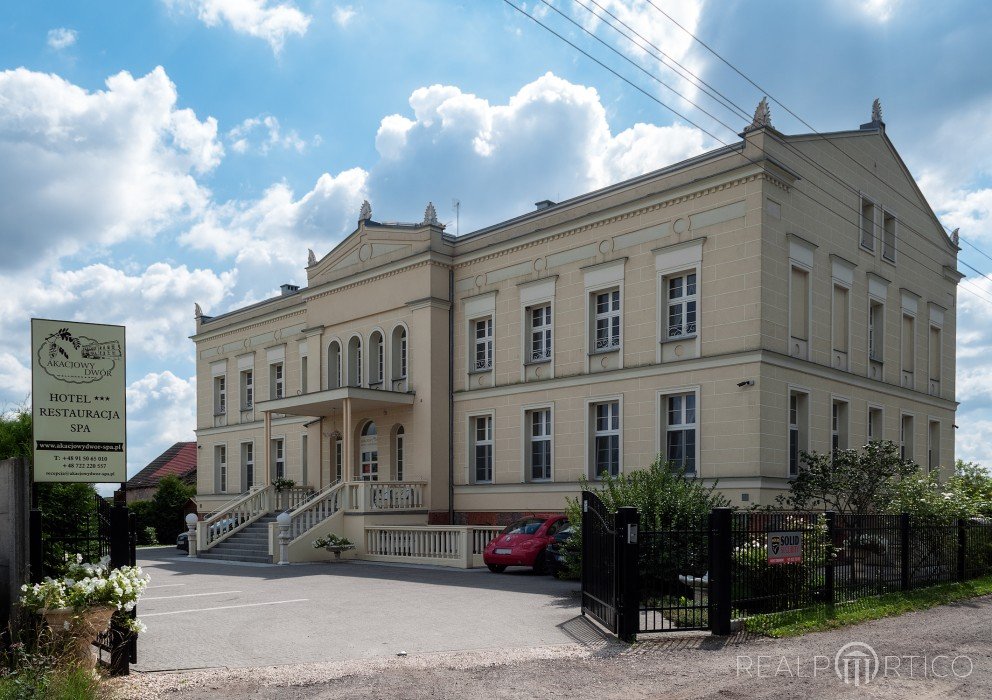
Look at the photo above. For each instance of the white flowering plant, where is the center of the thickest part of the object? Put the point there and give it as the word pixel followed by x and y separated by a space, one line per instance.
pixel 86 585
pixel 332 540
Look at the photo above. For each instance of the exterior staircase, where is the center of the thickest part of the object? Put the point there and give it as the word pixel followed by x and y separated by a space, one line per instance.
pixel 250 544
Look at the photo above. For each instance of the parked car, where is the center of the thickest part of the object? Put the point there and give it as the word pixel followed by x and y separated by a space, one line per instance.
pixel 554 553
pixel 523 543
pixel 182 541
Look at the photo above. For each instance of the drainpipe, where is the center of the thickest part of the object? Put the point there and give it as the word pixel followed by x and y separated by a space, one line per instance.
pixel 451 396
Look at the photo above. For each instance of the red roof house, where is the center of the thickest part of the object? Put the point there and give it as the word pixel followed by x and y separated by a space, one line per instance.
pixel 179 460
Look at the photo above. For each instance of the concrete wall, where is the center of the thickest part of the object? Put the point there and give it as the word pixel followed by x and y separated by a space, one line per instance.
pixel 15 504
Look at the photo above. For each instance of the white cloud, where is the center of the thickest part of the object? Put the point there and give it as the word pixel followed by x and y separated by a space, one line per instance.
pixel 243 136
pixel 344 14
pixel 271 21
pixel 61 38
pixel 98 167
pixel 878 10
pixel 161 410
pixel 550 141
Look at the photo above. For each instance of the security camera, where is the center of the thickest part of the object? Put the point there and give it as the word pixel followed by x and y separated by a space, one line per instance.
pixel 746 382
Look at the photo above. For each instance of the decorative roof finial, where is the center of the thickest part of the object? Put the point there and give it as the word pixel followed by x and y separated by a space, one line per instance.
pixel 311 258
pixel 430 215
pixel 197 311
pixel 762 116
pixel 365 213
pixel 955 236
pixel 876 110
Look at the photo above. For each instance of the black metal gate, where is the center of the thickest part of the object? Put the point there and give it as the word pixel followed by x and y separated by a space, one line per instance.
pixel 673 566
pixel 609 566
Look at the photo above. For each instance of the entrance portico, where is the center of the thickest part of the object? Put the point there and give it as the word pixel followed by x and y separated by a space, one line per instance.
pixel 349 401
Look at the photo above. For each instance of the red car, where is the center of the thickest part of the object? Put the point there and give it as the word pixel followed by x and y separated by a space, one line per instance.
pixel 523 543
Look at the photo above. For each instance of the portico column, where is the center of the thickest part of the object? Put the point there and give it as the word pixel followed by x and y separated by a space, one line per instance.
pixel 267 418
pixel 346 447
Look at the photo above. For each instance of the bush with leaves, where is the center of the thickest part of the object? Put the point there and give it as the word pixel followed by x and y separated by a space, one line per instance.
pixel 169 508
pixel 667 499
pixel 974 483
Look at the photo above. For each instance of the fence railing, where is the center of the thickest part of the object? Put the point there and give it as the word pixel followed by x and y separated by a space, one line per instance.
pixel 447 545
pixel 235 516
pixel 315 510
pixel 372 496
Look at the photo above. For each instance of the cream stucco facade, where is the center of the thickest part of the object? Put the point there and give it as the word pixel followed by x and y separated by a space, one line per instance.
pixel 783 294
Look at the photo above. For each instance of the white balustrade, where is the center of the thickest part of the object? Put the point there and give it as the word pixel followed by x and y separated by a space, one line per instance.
pixel 318 508
pixel 483 535
pixel 232 517
pixel 369 496
pixel 415 542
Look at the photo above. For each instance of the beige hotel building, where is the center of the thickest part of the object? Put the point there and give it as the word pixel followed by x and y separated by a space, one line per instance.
pixel 784 293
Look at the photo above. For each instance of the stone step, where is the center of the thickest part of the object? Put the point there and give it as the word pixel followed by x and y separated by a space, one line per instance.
pixel 266 559
pixel 248 546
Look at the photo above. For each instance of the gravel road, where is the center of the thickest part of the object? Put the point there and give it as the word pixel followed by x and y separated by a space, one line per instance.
pixel 944 652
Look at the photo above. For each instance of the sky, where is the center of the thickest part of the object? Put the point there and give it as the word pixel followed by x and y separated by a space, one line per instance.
pixel 159 153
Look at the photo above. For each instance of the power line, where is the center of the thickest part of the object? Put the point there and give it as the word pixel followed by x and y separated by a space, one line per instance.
pixel 938 270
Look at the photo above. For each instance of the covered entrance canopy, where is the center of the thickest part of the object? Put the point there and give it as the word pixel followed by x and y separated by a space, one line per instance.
pixel 320 403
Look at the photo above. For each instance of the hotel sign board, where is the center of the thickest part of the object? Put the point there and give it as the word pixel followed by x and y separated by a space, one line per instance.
pixel 77 396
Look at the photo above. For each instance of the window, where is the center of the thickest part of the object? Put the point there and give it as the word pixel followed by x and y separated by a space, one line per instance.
pixel 303 374
pixel 279 458
pixel 355 361
pixel 799 311
pixel 247 389
pixel 933 446
pixel 369 450
pixel 908 343
pixel 220 395
pixel 540 333
pixel 606 438
pixel 304 460
pixel 399 353
pixel 798 441
pixel 680 432
pixel 876 330
pixel 867 224
pixel 483 344
pixel 838 426
pixel 481 440
pixel 334 378
pixel 220 464
pixel 400 439
pixel 377 359
pixel 607 310
pixel 276 381
pixel 248 465
pixel 682 306
pixel 840 318
pixel 874 424
pixel 538 431
pixel 338 460
pixel 935 354
pixel 888 236
pixel 906 438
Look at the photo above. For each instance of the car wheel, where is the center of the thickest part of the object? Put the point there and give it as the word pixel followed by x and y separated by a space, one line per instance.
pixel 540 564
pixel 496 568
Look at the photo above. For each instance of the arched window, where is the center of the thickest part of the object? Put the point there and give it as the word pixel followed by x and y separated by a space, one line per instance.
pixel 377 364
pixel 369 449
pixel 398 452
pixel 334 365
pixel 399 354
pixel 355 361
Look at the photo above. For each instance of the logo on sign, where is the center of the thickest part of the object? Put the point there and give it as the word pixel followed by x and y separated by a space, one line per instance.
pixel 785 547
pixel 77 359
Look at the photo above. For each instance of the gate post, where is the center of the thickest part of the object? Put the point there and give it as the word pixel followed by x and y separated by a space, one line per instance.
pixel 828 578
pixel 962 548
pixel 721 545
pixel 627 598
pixel 120 555
pixel 904 558
pixel 36 546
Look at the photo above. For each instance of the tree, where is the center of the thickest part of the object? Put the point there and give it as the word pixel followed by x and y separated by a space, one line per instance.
pixel 973 481
pixel 168 507
pixel 15 433
pixel 848 481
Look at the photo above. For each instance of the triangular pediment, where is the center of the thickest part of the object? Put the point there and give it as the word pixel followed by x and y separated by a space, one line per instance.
pixel 369 246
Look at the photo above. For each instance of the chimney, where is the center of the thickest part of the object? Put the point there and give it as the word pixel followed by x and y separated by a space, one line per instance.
pixel 544 204
pixel 288 289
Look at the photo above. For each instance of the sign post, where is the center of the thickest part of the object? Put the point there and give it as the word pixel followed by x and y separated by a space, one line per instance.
pixel 78 410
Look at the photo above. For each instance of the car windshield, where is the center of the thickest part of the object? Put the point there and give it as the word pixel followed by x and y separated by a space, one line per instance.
pixel 527 526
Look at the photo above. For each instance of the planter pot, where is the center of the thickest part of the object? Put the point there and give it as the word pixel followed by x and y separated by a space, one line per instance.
pixel 338 549
pixel 80 628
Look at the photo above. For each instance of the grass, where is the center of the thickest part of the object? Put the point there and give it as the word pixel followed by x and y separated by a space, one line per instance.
pixel 816 619
pixel 56 684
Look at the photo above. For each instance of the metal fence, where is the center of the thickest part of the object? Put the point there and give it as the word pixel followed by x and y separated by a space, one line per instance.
pixel 705 574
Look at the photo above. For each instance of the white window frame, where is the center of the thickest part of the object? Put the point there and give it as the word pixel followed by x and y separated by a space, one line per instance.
pixel 277 380
pixel 338 459
pixel 377 358
pixel 220 395
pixel 902 436
pixel 876 336
pixel 664 427
pixel 802 256
pixel 540 337
pixel 485 342
pixel 526 456
pixel 277 445
pixel 873 235
pixel 304 381
pixel 933 461
pixel 373 464
pixel 682 302
pixel 592 433
pixel 840 422
pixel 599 279
pixel 304 460
pixel 337 365
pixel 399 452
pixel 802 436
pixel 248 464
pixel 613 318
pixel 220 467
pixel 471 468
pixel 247 377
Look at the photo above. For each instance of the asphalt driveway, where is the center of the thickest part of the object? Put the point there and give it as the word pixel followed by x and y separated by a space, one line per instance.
pixel 208 614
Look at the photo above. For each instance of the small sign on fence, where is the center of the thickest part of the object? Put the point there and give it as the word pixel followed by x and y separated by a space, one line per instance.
pixel 785 547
